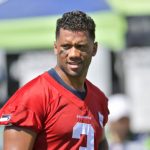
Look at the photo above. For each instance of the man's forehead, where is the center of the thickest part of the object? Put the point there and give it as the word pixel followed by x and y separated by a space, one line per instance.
pixel 73 31
pixel 64 34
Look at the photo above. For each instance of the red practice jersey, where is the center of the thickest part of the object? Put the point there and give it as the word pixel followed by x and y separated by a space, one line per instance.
pixel 61 119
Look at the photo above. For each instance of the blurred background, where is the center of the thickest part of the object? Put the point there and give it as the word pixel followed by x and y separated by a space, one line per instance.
pixel 121 66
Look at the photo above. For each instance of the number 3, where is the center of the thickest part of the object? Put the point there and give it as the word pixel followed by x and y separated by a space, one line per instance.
pixel 86 129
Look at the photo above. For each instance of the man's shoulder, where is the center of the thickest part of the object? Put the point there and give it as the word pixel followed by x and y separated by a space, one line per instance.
pixel 94 88
pixel 36 87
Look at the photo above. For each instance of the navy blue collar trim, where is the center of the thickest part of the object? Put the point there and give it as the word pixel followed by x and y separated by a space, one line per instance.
pixel 54 74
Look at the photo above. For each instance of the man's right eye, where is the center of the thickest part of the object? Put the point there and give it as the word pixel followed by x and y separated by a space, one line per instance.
pixel 66 47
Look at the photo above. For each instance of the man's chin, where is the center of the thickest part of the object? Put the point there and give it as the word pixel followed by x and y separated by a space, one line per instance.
pixel 74 73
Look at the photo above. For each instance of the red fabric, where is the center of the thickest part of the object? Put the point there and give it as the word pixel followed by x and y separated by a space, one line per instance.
pixel 54 113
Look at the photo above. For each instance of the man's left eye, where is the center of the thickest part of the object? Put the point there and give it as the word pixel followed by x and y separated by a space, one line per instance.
pixel 81 47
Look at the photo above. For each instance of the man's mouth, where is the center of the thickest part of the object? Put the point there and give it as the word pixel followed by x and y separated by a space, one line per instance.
pixel 74 65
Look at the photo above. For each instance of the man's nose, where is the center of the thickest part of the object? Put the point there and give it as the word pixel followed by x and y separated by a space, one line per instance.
pixel 74 52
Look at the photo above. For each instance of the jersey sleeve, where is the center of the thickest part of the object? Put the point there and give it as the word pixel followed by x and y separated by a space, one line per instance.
pixel 27 107
pixel 105 110
pixel 101 102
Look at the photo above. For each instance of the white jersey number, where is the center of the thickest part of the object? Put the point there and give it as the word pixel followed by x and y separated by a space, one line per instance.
pixel 86 129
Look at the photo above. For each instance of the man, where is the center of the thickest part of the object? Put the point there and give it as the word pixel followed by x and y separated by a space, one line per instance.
pixel 60 109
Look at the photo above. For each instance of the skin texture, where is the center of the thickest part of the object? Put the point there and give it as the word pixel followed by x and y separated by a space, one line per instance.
pixel 18 138
pixel 103 145
pixel 74 50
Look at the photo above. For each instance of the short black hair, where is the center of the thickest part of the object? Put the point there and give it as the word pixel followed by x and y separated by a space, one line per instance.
pixel 76 21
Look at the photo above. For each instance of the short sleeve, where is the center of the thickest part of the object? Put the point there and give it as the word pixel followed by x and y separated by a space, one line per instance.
pixel 105 111
pixel 20 116
pixel 26 108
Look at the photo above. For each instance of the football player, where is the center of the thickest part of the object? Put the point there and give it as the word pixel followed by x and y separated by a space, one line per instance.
pixel 60 109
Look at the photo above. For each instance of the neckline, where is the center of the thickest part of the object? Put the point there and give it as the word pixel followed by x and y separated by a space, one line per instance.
pixel 55 75
pixel 73 98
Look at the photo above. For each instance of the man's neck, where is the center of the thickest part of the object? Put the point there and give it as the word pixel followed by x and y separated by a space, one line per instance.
pixel 76 83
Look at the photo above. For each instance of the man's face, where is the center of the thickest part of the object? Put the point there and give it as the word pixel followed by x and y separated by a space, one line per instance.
pixel 74 51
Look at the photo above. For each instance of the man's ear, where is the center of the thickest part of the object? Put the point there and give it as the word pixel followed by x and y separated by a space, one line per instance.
pixel 95 48
pixel 55 48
